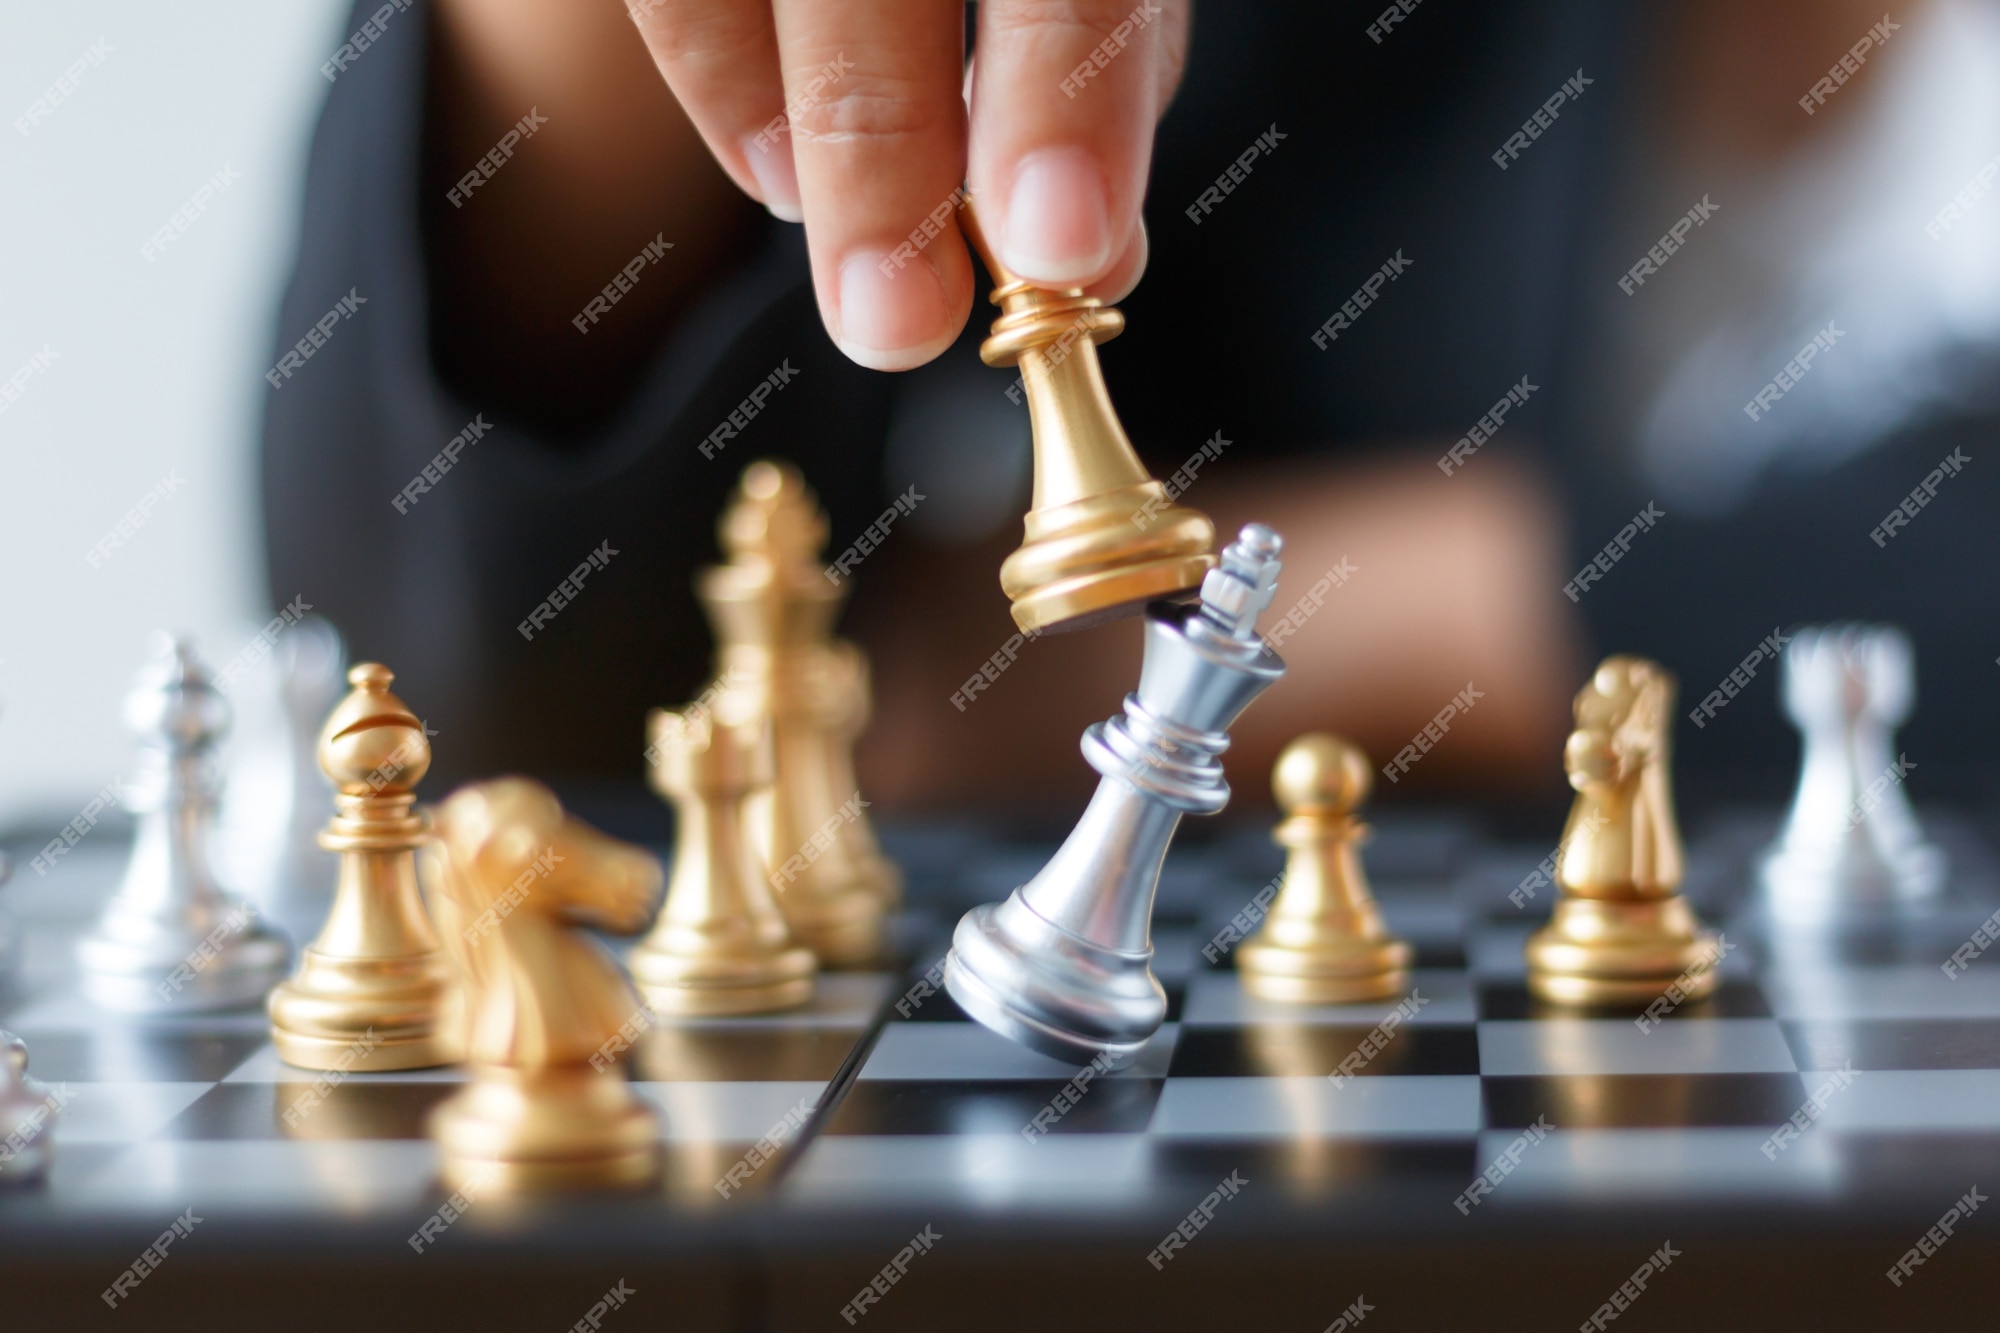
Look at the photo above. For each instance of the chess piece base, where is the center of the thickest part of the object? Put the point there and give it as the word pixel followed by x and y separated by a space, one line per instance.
pixel 1087 561
pixel 1050 990
pixel 512 1132
pixel 712 987
pixel 135 977
pixel 393 1007
pixel 1598 952
pixel 1361 970
pixel 1800 888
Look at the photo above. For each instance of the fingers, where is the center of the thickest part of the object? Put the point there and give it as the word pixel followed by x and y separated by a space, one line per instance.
pixel 1063 107
pixel 880 155
pixel 721 59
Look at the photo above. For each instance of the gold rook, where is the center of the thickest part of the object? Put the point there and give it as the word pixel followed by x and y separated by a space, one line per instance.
pixel 720 945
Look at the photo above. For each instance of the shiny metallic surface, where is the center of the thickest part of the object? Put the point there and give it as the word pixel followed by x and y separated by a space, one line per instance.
pixel 520 886
pixel 1102 538
pixel 777 660
pixel 1851 842
pixel 720 945
pixel 1621 933
pixel 1324 940
pixel 373 991
pixel 172 939
pixel 1064 964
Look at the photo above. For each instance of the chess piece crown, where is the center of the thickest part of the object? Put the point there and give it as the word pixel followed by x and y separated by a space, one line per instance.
pixel 373 991
pixel 1064 964
pixel 1087 556
pixel 546 1104
pixel 1851 841
pixel 172 939
pixel 773 609
pixel 720 945
pixel 1621 932
pixel 1323 941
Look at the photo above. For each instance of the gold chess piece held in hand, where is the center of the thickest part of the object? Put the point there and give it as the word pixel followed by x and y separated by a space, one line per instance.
pixel 772 607
pixel 373 992
pixel 1621 933
pixel 1324 941
pixel 720 945
pixel 1103 538
pixel 546 1106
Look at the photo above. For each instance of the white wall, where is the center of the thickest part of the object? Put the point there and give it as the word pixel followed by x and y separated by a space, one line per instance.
pixel 158 364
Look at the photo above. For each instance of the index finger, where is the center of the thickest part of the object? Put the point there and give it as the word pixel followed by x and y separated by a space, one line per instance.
pixel 1064 103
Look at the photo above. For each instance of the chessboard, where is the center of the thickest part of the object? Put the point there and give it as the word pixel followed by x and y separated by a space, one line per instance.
pixel 877 1157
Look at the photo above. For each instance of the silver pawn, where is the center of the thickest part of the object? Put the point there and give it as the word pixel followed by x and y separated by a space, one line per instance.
pixel 1851 840
pixel 1064 965
pixel 275 798
pixel 27 1115
pixel 171 939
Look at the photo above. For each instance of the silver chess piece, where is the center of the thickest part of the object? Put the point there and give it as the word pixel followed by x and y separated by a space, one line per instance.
pixel 1851 841
pixel 171 939
pixel 27 1115
pixel 1064 965
pixel 275 797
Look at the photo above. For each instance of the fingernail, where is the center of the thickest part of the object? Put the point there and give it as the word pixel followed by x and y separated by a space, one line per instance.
pixel 1058 218
pixel 891 317
pixel 770 158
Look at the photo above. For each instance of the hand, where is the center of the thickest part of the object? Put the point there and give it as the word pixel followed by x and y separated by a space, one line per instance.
pixel 851 116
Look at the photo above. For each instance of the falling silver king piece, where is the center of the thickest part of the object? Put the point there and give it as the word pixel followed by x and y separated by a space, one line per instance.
pixel 1064 965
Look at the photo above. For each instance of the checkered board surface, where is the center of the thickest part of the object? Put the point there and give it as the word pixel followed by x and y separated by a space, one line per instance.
pixel 926 1108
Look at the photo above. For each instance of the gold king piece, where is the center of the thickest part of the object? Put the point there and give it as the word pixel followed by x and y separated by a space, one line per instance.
pixel 1621 933
pixel 720 945
pixel 772 607
pixel 1324 941
pixel 546 1105
pixel 1103 538
pixel 373 992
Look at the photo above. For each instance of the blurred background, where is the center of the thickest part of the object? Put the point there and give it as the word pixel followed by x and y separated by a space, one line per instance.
pixel 130 374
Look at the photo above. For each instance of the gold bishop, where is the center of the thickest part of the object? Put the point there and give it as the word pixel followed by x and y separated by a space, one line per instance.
pixel 373 992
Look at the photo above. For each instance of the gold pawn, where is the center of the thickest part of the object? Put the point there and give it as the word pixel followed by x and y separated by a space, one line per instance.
pixel 1102 537
pixel 373 992
pixel 1324 941
pixel 720 945
pixel 1621 933
pixel 772 608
